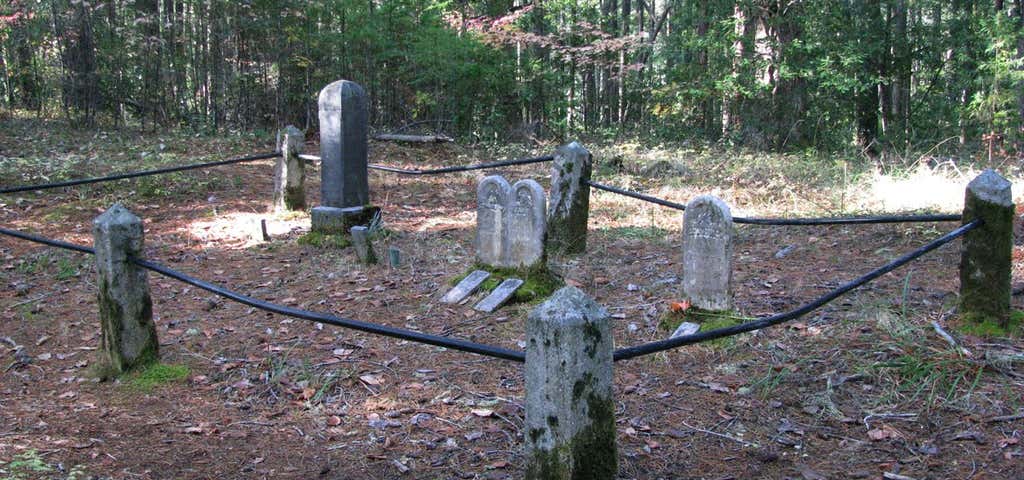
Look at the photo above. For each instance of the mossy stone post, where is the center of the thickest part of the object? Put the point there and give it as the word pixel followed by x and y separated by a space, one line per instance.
pixel 290 173
pixel 344 182
pixel 569 202
pixel 128 335
pixel 570 414
pixel 986 251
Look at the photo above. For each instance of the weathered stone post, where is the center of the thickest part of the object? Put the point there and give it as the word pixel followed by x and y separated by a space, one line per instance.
pixel 128 335
pixel 344 185
pixel 290 173
pixel 986 252
pixel 570 414
pixel 569 204
pixel 707 253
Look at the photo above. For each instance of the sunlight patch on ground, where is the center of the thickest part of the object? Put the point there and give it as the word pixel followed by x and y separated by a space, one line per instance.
pixel 923 189
pixel 242 229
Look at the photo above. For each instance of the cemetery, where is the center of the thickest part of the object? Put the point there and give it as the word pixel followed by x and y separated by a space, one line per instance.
pixel 337 307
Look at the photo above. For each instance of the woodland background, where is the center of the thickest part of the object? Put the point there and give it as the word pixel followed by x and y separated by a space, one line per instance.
pixel 779 75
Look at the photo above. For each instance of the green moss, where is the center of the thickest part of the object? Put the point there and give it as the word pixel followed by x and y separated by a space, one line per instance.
pixel 591 454
pixel 155 375
pixel 538 281
pixel 325 240
pixel 708 321
pixel 989 327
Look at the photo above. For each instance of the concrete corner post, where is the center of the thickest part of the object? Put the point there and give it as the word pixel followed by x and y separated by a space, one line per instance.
pixel 290 173
pixel 986 252
pixel 344 184
pixel 570 414
pixel 128 335
pixel 569 202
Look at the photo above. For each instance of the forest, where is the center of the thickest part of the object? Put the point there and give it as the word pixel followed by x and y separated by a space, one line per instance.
pixel 772 75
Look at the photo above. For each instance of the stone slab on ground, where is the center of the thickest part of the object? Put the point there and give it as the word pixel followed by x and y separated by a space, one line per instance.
pixel 684 329
pixel 499 296
pixel 466 287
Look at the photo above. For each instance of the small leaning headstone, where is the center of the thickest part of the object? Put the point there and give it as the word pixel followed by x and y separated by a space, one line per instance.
pixel 570 412
pixel 466 287
pixel 363 245
pixel 707 253
pixel 127 333
pixel 394 257
pixel 499 295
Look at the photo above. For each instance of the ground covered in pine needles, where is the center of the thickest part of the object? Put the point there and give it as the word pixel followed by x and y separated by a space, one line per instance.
pixel 862 388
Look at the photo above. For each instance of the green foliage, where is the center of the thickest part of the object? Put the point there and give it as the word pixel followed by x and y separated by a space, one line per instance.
pixel 707 320
pixel 155 375
pixel 988 327
pixel 30 465
pixel 325 240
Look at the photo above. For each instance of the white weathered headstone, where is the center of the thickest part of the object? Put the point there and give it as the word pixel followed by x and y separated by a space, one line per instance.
pixel 570 200
pixel 707 253
pixel 527 224
pixel 492 196
pixel 570 412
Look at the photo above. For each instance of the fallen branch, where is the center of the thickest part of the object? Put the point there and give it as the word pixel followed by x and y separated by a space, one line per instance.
pixel 949 339
pixel 1006 418
pixel 413 138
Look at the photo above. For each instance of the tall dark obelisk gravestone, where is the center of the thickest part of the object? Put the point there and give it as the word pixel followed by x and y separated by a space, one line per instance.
pixel 345 189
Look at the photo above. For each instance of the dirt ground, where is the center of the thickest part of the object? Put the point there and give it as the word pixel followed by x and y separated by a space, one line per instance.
pixel 862 388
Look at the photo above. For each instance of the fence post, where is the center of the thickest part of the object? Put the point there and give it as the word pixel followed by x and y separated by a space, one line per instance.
pixel 570 414
pixel 344 185
pixel 128 335
pixel 569 206
pixel 986 252
pixel 290 173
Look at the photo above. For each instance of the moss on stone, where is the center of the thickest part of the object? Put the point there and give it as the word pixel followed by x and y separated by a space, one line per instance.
pixel 538 281
pixel 325 240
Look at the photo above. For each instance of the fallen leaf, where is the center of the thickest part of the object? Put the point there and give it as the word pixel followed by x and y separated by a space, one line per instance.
pixel 679 306
pixel 371 379
pixel 482 412
pixel 334 420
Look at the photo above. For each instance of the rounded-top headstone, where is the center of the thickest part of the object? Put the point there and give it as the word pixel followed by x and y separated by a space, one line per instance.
pixel 492 198
pixel 707 253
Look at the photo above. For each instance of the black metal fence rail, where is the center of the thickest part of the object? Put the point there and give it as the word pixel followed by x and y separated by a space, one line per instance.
pixel 662 345
pixel 399 333
pixel 463 168
pixel 143 173
pixel 858 220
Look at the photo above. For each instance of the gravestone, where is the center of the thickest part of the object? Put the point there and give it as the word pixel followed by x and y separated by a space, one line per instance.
pixel 492 194
pixel 707 253
pixel 466 287
pixel 364 248
pixel 570 411
pixel 499 296
pixel 127 332
pixel 344 183
pixel 511 223
pixel 527 225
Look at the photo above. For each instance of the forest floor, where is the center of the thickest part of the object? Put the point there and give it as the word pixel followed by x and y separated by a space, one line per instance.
pixel 862 388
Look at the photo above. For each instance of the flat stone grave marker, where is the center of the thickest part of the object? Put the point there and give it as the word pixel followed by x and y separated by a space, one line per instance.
pixel 466 287
pixel 499 296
